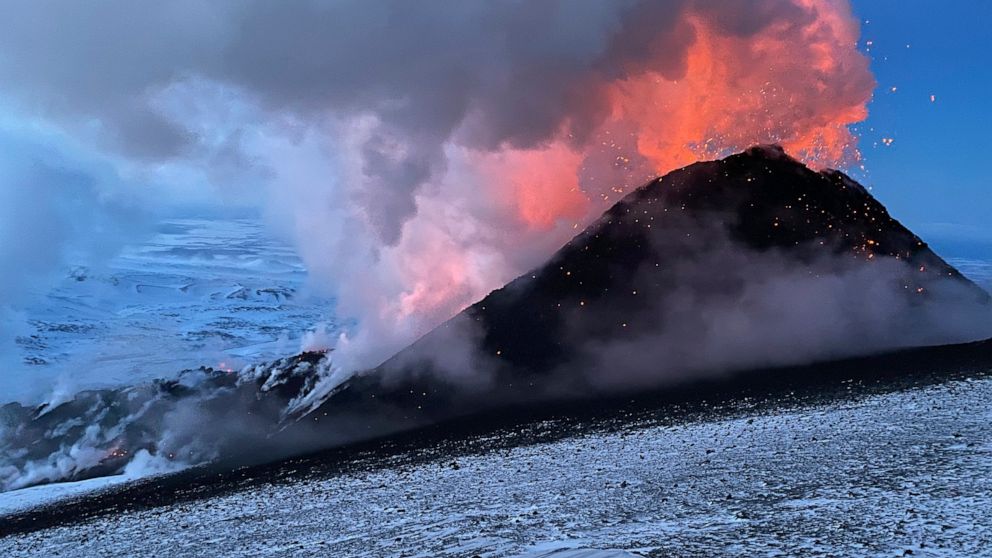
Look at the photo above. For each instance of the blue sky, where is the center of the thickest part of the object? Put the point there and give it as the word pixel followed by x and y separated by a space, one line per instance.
pixel 935 175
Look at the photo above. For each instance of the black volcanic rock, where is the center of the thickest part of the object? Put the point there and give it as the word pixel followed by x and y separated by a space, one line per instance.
pixel 754 260
pixel 201 414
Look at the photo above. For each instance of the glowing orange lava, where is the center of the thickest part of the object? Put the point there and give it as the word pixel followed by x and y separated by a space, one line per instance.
pixel 800 81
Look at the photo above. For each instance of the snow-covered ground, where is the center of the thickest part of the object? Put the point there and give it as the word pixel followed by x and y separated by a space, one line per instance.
pixel 199 292
pixel 28 498
pixel 891 474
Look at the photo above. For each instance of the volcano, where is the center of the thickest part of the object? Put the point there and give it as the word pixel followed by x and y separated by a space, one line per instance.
pixel 752 261
pixel 736 270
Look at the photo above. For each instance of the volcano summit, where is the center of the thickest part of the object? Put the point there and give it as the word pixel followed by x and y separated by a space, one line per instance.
pixel 750 261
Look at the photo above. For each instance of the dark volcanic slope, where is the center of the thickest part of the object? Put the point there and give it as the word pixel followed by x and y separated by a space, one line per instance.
pixel 750 261
pixel 761 200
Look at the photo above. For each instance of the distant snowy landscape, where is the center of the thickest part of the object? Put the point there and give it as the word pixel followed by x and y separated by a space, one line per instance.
pixel 979 271
pixel 199 292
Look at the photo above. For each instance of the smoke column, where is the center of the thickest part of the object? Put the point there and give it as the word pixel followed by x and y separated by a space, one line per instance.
pixel 421 154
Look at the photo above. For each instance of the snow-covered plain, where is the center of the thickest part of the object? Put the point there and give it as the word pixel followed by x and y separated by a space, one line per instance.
pixel 220 293
pixel 888 474
pixel 28 498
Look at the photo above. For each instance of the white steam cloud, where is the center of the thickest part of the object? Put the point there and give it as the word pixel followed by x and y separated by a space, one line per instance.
pixel 56 206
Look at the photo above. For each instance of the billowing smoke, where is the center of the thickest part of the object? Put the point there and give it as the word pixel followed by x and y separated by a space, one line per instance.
pixel 420 154
pixel 518 124
pixel 56 206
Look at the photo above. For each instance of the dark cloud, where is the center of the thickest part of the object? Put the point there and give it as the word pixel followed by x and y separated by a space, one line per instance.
pixel 505 73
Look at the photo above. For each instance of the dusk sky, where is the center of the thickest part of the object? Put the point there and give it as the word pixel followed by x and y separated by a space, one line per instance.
pixel 934 176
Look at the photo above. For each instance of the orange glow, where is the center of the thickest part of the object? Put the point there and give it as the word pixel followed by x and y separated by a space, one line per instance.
pixel 440 280
pixel 800 83
pixel 540 185
pixel 738 92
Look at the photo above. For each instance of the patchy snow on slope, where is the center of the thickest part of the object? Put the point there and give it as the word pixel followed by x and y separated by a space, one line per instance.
pixel 35 496
pixel 885 475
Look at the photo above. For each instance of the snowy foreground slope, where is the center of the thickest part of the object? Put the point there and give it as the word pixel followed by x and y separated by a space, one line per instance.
pixel 865 472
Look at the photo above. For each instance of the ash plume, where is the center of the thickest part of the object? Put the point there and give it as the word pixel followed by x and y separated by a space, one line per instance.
pixel 421 154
